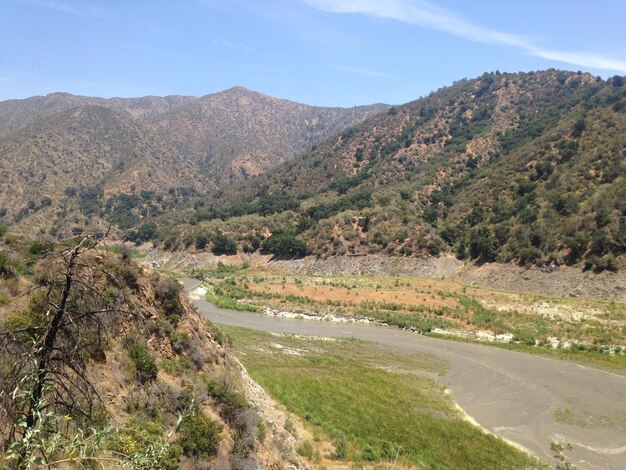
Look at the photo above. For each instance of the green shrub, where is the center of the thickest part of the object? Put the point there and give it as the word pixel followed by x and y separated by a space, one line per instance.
pixel 369 454
pixel 144 363
pixel 127 274
pixel 201 241
pixel 167 293
pixel 285 244
pixel 39 247
pixel 177 367
pixel 7 270
pixel 223 245
pixel 340 449
pixel 199 436
pixel 144 442
pixel 231 401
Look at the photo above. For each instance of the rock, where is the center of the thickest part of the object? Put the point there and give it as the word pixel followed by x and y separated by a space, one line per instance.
pixel 576 293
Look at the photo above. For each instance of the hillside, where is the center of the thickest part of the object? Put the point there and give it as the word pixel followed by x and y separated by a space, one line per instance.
pixel 67 159
pixel 103 361
pixel 240 133
pixel 526 167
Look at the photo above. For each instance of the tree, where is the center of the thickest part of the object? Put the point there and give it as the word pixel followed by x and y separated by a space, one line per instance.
pixel 223 245
pixel 285 244
pixel 201 241
pixel 481 244
pixel 49 344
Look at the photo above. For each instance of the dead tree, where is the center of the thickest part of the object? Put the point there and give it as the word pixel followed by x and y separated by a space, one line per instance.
pixel 45 352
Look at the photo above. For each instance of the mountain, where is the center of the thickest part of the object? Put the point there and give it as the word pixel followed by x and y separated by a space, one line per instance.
pixel 65 159
pixel 240 133
pixel 525 167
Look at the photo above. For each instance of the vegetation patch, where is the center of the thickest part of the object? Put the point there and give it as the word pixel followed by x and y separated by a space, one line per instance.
pixel 372 404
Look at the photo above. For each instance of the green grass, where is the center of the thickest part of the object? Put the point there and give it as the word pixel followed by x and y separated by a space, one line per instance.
pixel 226 301
pixel 375 400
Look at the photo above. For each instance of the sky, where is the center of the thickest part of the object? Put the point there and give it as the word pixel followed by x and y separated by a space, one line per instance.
pixel 320 52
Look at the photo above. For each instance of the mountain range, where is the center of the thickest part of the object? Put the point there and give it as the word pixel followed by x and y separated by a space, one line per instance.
pixel 61 154
pixel 509 167
pixel 526 167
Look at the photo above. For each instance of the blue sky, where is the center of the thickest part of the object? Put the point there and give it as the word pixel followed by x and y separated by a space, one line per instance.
pixel 323 52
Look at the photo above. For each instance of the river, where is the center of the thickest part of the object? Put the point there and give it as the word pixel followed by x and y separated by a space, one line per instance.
pixel 514 395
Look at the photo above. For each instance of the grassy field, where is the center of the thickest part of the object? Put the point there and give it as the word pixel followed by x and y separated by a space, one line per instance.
pixel 593 331
pixel 373 405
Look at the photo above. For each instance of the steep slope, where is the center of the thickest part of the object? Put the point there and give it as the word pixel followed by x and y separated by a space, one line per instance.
pixel 135 377
pixel 83 155
pixel 526 167
pixel 149 153
pixel 239 133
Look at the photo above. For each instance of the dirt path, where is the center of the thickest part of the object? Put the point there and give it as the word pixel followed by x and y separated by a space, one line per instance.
pixel 527 399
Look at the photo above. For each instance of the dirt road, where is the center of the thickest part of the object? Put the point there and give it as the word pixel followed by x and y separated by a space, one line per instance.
pixel 526 399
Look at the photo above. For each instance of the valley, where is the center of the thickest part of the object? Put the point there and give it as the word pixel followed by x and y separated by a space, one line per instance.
pixel 528 399
pixel 437 284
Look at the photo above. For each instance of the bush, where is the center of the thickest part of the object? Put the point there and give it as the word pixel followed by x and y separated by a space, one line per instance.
pixel 340 449
pixel 529 256
pixel 232 402
pixel 223 245
pixel 201 242
pixel 167 293
pixel 481 244
pixel 285 244
pixel 200 436
pixel 128 274
pixel 144 442
pixel 38 247
pixel 369 454
pixel 7 270
pixel 144 363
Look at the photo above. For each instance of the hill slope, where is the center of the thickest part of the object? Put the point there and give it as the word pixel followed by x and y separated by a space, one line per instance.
pixel 55 147
pixel 240 133
pixel 131 374
pixel 526 167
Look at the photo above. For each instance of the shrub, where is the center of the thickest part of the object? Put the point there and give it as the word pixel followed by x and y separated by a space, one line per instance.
pixel 285 244
pixel 201 241
pixel 167 293
pixel 128 274
pixel 340 449
pixel 369 454
pixel 529 255
pixel 144 363
pixel 232 402
pixel 305 449
pixel 200 436
pixel 38 247
pixel 481 244
pixel 223 245
pixel 7 270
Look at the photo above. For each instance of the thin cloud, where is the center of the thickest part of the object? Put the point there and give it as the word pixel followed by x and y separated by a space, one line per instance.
pixel 69 8
pixel 424 14
pixel 226 44
pixel 359 71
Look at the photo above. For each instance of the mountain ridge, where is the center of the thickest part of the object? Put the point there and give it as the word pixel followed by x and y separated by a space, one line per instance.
pixel 525 167
pixel 162 157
